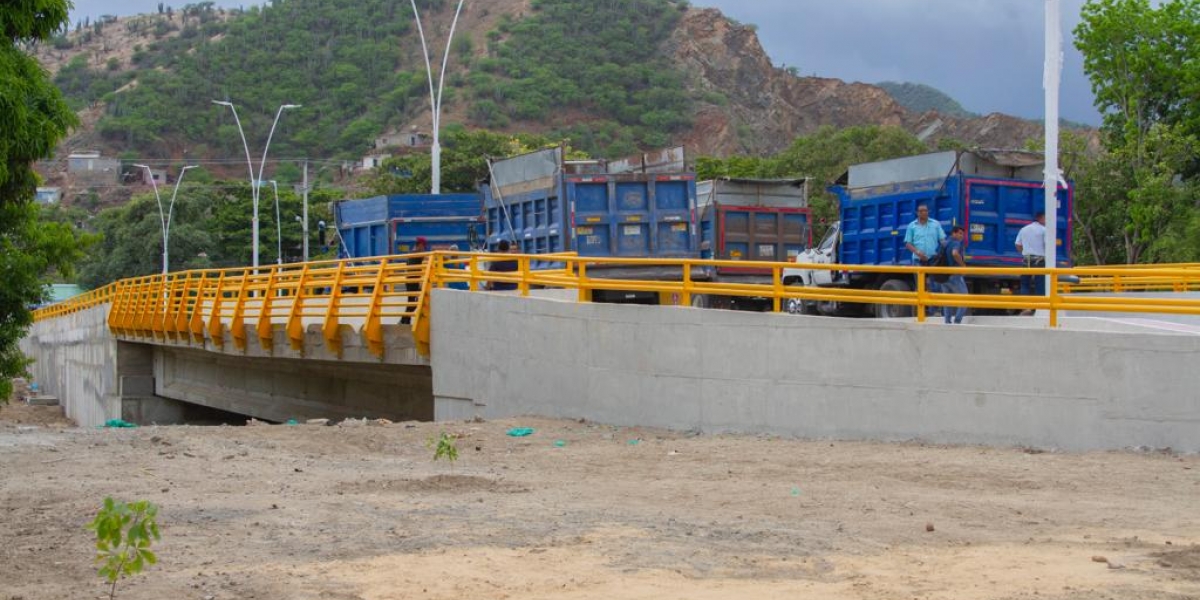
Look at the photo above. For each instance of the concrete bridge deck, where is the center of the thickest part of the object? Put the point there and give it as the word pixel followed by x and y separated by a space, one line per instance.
pixel 281 352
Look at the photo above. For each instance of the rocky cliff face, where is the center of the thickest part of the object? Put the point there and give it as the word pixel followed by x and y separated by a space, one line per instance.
pixel 764 108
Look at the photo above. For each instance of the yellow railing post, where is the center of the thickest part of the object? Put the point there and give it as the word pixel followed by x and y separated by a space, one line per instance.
pixel 237 322
pixel 295 323
pixel 195 326
pixel 921 295
pixel 585 293
pixel 777 288
pixel 473 273
pixel 523 269
pixel 373 328
pixel 1054 299
pixel 266 334
pixel 685 298
pixel 179 320
pixel 331 328
pixel 216 332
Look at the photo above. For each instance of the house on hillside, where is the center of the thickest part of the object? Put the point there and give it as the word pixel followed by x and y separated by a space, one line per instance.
pixel 48 195
pixel 89 168
pixel 412 138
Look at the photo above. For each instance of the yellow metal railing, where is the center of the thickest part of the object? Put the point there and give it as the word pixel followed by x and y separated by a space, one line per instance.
pixel 231 306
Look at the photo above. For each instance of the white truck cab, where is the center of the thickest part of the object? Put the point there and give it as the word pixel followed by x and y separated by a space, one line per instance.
pixel 824 253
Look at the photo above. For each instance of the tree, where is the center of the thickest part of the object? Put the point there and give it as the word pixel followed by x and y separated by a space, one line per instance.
pixel 1141 62
pixel 464 162
pixel 33 118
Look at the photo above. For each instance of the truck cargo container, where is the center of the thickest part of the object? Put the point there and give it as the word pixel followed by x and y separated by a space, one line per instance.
pixel 992 194
pixel 643 208
pixel 386 225
pixel 752 220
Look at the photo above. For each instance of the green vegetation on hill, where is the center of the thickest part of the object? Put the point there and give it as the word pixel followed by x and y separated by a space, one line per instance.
pixel 921 98
pixel 355 67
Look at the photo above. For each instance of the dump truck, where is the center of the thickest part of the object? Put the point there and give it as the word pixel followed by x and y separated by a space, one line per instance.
pixel 750 220
pixel 386 225
pixel 991 193
pixel 641 207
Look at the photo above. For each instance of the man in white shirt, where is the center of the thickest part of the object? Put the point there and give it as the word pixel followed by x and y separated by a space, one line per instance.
pixel 1031 243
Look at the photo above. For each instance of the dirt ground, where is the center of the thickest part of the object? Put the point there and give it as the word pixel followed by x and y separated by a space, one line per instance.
pixel 580 510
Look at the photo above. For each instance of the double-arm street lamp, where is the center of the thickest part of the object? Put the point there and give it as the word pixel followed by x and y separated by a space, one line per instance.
pixel 164 217
pixel 255 181
pixel 435 100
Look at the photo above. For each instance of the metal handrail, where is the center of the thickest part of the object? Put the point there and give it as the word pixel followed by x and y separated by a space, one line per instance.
pixel 222 306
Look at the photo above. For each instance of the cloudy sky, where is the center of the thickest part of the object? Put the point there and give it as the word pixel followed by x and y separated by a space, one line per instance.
pixel 987 54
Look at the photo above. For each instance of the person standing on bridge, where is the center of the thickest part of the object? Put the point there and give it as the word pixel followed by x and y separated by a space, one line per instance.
pixel 1031 243
pixel 924 239
pixel 503 266
pixel 955 284
pixel 421 246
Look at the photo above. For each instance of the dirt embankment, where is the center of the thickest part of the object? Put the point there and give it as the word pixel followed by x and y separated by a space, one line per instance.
pixel 579 510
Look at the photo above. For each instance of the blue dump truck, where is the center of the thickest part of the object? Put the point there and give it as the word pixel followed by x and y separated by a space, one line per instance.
pixel 992 194
pixel 752 220
pixel 644 207
pixel 386 225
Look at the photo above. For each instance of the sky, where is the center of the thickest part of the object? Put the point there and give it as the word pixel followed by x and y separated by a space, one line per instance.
pixel 987 54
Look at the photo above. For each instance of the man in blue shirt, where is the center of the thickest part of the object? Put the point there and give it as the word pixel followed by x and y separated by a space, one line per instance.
pixel 924 239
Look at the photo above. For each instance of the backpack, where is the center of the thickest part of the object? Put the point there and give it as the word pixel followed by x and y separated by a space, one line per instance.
pixel 940 260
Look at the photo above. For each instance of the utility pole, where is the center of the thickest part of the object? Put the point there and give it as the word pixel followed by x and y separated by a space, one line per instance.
pixel 304 211
pixel 1052 82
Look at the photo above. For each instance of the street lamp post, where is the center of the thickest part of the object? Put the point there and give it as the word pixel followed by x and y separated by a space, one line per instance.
pixel 254 183
pixel 278 226
pixel 435 101
pixel 1052 82
pixel 165 218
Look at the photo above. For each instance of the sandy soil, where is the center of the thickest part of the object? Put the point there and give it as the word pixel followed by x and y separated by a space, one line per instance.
pixel 579 510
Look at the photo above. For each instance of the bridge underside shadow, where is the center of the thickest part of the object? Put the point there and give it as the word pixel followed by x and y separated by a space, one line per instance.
pixel 279 389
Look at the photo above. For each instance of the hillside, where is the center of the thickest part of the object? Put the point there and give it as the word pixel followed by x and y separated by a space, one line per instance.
pixel 613 77
pixel 921 98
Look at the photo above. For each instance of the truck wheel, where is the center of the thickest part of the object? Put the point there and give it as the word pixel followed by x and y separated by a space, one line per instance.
pixel 795 306
pixel 893 311
pixel 700 301
pixel 828 308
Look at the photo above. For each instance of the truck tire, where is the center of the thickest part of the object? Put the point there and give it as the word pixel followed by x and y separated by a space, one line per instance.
pixel 893 311
pixel 700 301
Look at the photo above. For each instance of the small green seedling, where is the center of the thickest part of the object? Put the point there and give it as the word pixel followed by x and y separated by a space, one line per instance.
pixel 445 447
pixel 124 533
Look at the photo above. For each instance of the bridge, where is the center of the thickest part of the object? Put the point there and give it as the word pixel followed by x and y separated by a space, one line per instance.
pixel 417 337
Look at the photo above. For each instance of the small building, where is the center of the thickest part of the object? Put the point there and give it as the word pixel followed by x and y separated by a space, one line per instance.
pixel 48 195
pixel 374 161
pixel 403 139
pixel 91 168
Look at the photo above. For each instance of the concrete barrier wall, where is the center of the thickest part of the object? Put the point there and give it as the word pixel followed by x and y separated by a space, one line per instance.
pixel 76 360
pixel 499 356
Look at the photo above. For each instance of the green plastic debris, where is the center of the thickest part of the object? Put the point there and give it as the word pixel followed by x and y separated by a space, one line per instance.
pixel 118 423
pixel 795 491
pixel 292 422
pixel 634 442
pixel 560 443
pixel 520 431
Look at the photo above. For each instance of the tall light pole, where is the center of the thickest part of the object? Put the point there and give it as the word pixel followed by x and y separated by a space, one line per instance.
pixel 1052 81
pixel 435 101
pixel 254 182
pixel 278 226
pixel 165 218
